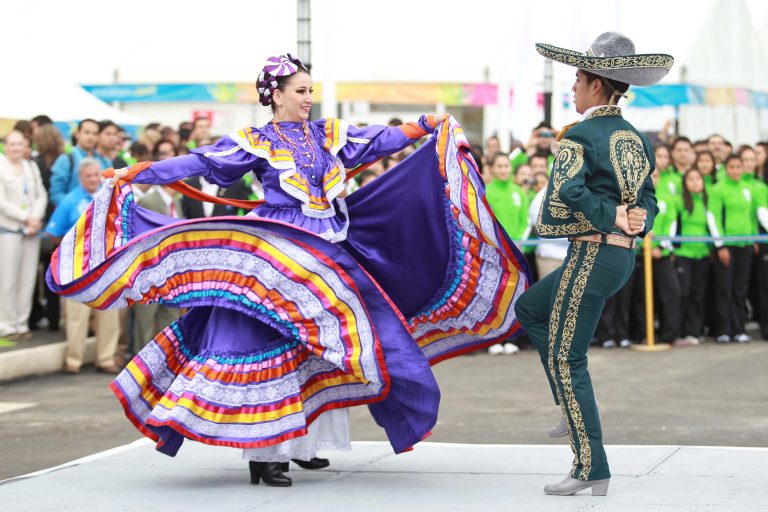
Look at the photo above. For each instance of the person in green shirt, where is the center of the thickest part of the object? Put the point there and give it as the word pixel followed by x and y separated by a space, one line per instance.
pixel 692 259
pixel 733 205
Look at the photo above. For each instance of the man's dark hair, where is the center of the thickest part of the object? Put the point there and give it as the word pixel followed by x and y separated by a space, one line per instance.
pixel 86 120
pixel 139 151
pixel 103 125
pixel 41 120
pixel 680 139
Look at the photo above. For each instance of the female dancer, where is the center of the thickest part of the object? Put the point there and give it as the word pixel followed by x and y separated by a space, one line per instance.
pixel 311 303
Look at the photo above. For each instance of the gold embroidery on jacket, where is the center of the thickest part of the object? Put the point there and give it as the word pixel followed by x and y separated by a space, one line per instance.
pixel 568 162
pixel 629 163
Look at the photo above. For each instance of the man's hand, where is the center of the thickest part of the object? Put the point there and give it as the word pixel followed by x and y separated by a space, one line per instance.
pixel 724 255
pixel 622 220
pixel 636 219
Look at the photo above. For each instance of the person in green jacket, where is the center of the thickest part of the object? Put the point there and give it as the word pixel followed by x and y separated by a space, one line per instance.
pixel 665 282
pixel 734 208
pixel 507 199
pixel 692 259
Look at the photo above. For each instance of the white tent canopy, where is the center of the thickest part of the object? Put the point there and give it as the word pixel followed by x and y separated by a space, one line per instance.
pixel 60 101
pixel 727 52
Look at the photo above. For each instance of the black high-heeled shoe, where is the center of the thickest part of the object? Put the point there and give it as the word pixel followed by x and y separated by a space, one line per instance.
pixel 313 463
pixel 270 472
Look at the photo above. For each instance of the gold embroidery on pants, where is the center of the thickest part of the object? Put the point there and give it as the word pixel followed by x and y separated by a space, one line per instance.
pixel 584 454
pixel 554 323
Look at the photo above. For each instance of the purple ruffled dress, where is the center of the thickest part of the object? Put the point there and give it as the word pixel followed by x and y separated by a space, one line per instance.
pixel 311 303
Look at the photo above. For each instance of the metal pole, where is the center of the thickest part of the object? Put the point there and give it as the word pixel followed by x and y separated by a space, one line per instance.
pixel 548 91
pixel 303 34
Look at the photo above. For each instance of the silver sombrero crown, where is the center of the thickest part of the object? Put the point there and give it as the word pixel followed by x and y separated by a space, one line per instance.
pixel 613 56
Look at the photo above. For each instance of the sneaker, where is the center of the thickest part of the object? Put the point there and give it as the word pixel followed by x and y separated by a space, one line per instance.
pixel 692 340
pixel 625 343
pixel 511 348
pixel 743 338
pixel 496 349
pixel 609 344
pixel 723 338
pixel 681 342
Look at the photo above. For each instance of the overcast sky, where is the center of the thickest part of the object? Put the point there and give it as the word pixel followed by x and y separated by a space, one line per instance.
pixel 424 40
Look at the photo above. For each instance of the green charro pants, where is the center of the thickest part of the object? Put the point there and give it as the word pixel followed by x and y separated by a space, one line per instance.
pixel 560 314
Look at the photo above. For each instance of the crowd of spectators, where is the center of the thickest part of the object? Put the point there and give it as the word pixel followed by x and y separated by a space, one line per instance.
pixel 705 188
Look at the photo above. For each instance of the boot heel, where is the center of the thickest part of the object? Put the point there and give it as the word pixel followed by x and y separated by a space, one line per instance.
pixel 255 474
pixel 600 487
pixel 284 467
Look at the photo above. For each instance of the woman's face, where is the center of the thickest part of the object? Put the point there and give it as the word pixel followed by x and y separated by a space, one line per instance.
pixel 705 164
pixel 662 158
pixel 15 146
pixel 296 98
pixel 501 168
pixel 523 175
pixel 734 169
pixel 749 161
pixel 694 182
pixel 760 155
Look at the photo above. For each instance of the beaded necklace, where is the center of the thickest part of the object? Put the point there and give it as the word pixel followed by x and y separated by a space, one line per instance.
pixel 308 150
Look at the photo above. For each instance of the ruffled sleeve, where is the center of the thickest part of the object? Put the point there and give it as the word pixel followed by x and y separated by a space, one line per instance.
pixel 370 143
pixel 222 163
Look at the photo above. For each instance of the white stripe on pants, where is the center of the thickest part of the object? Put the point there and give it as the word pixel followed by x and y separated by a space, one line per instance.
pixel 19 258
pixel 107 333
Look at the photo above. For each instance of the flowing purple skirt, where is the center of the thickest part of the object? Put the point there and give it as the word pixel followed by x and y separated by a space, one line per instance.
pixel 284 325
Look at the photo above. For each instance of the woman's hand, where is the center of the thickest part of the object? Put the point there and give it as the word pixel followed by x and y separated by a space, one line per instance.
pixel 724 255
pixel 116 174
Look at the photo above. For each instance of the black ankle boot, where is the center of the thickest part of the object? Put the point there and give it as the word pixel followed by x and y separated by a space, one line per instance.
pixel 313 463
pixel 270 472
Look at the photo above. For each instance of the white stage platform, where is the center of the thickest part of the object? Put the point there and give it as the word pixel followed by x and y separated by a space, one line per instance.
pixel 434 477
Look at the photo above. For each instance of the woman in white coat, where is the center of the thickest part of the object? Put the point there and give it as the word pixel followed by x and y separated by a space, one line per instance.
pixel 22 207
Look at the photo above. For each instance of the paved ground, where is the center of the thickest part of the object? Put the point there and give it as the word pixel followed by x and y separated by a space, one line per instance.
pixel 707 395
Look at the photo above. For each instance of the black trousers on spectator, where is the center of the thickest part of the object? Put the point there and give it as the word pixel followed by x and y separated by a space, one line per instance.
pixel 47 304
pixel 761 276
pixel 667 291
pixel 693 275
pixel 622 316
pixel 732 284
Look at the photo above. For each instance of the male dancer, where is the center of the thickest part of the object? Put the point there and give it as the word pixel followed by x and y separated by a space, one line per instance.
pixel 600 196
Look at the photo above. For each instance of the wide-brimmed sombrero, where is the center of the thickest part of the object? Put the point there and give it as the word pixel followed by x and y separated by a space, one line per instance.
pixel 613 56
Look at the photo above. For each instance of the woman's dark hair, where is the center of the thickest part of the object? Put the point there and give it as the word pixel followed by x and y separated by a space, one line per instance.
pixel 687 199
pixel 609 86
pixel 708 153
pixel 282 83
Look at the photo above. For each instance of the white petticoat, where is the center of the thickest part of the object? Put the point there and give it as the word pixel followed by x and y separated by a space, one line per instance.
pixel 330 431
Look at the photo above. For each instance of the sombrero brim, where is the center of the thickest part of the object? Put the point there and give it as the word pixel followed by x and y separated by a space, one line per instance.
pixel 642 69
